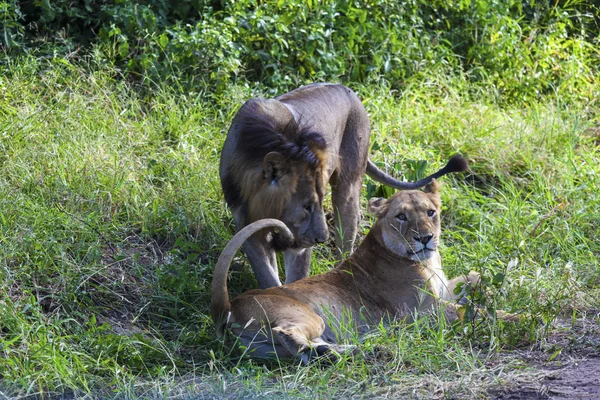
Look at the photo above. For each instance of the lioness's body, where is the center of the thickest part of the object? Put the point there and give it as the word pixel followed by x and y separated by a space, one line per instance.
pixel 393 273
pixel 277 159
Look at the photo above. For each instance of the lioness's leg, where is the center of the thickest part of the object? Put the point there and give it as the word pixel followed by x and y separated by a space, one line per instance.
pixel 297 263
pixel 261 344
pixel 263 262
pixel 295 342
pixel 473 278
pixel 276 326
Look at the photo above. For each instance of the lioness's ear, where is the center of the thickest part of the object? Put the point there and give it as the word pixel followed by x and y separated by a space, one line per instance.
pixel 432 187
pixel 274 166
pixel 377 206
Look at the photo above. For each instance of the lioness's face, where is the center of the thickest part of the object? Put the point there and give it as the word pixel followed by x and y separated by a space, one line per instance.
pixel 410 222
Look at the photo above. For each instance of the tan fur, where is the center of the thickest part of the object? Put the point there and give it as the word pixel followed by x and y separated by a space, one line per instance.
pixel 329 129
pixel 394 273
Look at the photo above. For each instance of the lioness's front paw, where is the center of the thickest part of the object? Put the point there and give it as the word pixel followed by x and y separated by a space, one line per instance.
pixel 322 353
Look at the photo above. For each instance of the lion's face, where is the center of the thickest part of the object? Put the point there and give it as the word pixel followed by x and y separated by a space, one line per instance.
pixel 293 193
pixel 303 212
pixel 410 222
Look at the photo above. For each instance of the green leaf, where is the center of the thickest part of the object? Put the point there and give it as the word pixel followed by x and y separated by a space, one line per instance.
pixel 421 169
pixel 384 191
pixel 554 355
pixel 498 278
pixel 362 16
pixel 163 40
pixel 123 49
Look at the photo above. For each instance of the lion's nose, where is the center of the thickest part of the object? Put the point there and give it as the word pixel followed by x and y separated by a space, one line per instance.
pixel 423 239
pixel 322 238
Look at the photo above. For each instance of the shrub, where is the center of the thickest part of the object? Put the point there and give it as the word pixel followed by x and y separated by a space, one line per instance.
pixel 519 49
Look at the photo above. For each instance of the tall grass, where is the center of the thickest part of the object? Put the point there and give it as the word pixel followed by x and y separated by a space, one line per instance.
pixel 111 219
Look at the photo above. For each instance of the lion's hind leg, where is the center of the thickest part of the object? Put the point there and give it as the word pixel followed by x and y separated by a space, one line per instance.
pixel 299 330
pixel 345 197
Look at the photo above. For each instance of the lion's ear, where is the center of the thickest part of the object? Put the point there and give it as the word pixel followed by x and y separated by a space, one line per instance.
pixel 274 166
pixel 377 206
pixel 433 187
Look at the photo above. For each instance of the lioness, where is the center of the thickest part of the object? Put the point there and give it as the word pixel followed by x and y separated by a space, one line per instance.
pixel 276 161
pixel 393 273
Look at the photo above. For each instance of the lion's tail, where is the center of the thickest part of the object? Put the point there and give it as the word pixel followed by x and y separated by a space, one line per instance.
pixel 456 164
pixel 219 300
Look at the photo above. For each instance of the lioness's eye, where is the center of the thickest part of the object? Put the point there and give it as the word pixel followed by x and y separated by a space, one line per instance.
pixel 401 217
pixel 430 213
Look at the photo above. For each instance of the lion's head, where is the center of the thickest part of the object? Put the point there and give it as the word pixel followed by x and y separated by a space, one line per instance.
pixel 280 174
pixel 292 192
pixel 410 221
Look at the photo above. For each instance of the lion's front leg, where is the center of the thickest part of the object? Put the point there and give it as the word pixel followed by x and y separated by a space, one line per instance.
pixel 297 263
pixel 263 262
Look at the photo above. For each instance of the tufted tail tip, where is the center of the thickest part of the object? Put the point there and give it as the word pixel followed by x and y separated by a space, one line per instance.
pixel 456 164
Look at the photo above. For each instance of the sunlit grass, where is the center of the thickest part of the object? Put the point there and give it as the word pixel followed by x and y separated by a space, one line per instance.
pixel 111 218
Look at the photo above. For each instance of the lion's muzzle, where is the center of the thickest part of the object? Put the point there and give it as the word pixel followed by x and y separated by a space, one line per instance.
pixel 322 237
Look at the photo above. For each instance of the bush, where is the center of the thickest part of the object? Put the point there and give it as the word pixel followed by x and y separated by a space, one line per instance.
pixel 520 49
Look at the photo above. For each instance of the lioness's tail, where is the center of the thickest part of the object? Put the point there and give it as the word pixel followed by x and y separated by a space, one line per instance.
pixel 219 298
pixel 456 164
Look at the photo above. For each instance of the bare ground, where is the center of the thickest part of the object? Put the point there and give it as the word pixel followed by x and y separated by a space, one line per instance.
pixel 564 366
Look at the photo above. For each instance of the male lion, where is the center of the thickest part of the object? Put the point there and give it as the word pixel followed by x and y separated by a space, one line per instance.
pixel 395 272
pixel 277 159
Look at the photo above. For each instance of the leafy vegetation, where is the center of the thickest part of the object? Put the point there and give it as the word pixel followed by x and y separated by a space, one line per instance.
pixel 112 116
pixel 520 49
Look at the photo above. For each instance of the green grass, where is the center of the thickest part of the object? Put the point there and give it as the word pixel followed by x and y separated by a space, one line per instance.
pixel 112 217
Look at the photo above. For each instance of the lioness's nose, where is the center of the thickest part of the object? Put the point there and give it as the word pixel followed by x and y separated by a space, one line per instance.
pixel 423 239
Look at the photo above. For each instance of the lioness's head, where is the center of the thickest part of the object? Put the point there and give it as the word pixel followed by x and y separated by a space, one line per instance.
pixel 410 221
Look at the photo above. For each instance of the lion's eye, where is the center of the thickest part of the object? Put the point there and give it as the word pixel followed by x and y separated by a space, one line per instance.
pixel 401 217
pixel 430 213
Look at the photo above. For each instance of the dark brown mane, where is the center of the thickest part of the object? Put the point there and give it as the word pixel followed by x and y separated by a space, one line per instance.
pixel 259 135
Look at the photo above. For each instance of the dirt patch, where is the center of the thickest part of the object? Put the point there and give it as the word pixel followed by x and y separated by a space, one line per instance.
pixel 579 380
pixel 566 366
